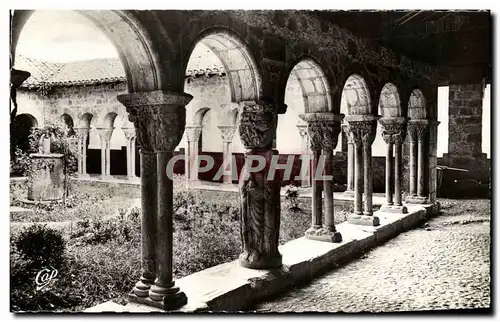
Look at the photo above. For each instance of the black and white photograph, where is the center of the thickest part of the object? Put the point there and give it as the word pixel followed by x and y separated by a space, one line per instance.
pixel 250 161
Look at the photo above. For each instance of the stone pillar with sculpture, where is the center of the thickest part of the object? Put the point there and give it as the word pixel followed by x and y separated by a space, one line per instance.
pixel 418 130
pixel 227 133
pixel 82 134
pixel 191 160
pixel 130 136
pixel 323 130
pixel 393 133
pixel 159 118
pixel 305 181
pixel 362 129
pixel 105 136
pixel 260 204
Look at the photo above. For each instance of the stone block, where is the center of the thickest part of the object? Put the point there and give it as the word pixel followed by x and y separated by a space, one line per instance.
pixel 47 183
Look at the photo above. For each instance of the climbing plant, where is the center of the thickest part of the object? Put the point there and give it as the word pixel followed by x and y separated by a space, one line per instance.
pixel 61 142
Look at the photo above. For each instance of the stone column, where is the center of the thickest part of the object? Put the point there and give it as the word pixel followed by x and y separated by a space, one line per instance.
pixel 193 133
pixel 350 162
pixel 159 117
pixel 82 133
pixel 393 130
pixel 259 195
pixel 323 130
pixel 105 136
pixel 417 130
pixel 130 136
pixel 433 160
pixel 227 133
pixel 315 138
pixel 363 129
pixel 306 181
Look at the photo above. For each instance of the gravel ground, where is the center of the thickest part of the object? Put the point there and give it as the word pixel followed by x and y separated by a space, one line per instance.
pixel 445 264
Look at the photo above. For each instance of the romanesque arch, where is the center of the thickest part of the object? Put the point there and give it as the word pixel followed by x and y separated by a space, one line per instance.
pixel 244 77
pixel 417 107
pixel 390 103
pixel 134 45
pixel 356 96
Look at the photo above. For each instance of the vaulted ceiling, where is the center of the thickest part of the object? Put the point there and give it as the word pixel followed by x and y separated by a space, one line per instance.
pixel 458 43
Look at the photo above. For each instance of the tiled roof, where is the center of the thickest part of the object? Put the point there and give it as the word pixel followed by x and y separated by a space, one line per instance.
pixel 104 70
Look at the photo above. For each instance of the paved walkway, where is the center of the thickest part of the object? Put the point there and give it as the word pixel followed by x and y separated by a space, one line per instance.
pixel 443 265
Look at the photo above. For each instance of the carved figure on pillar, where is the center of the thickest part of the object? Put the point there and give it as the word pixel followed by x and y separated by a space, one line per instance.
pixel 393 133
pixel 259 195
pixel 362 129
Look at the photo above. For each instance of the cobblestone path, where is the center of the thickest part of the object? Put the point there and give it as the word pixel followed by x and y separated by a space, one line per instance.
pixel 445 264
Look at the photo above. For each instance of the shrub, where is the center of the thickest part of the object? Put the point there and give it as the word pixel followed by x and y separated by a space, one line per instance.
pixel 292 197
pixel 41 245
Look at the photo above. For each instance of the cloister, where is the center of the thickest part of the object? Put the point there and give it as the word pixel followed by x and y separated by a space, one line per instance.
pixel 350 85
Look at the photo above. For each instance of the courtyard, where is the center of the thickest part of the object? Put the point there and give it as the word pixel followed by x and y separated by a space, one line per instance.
pixel 250 161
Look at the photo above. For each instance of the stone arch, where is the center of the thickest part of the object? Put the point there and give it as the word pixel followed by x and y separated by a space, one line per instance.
pixel 199 115
pixel 85 120
pixel 417 105
pixel 356 96
pixel 389 102
pixel 23 123
pixel 245 81
pixel 68 120
pixel 133 42
pixel 109 120
pixel 315 88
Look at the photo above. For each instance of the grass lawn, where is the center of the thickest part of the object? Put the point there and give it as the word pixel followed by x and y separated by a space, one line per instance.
pixel 102 254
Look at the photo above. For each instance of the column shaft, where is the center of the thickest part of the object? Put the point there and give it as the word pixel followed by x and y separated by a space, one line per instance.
pixel 358 179
pixel 350 166
pixel 397 174
pixel 421 168
pixel 148 223
pixel 367 150
pixel 328 186
pixel 413 168
pixel 388 172
pixel 227 162
pixel 317 211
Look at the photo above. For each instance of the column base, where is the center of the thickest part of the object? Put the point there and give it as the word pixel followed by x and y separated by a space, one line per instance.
pixel 260 263
pixel 363 220
pixel 141 289
pixel 168 302
pixel 417 200
pixel 83 176
pixel 394 209
pixel 324 235
pixel 106 177
pixel 133 178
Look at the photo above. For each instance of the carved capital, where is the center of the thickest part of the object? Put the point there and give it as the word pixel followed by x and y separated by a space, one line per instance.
pixel 417 129
pixel 362 128
pixel 393 129
pixel 158 116
pixel 193 132
pixel 257 124
pixel 105 133
pixel 227 132
pixel 323 130
pixel 129 133
pixel 81 133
